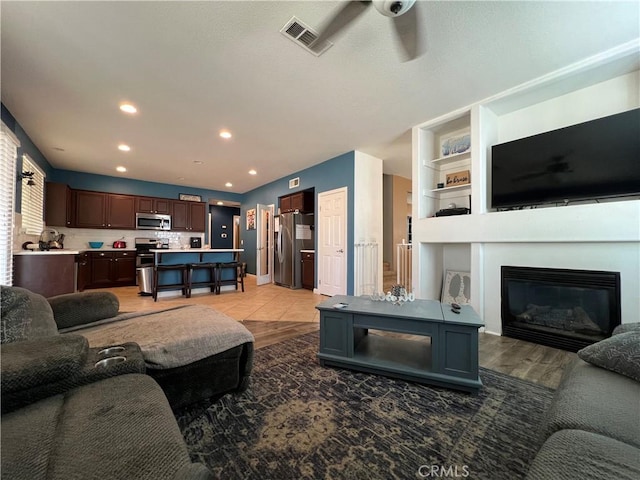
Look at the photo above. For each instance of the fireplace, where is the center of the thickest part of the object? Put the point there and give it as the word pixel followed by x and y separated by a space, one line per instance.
pixel 567 309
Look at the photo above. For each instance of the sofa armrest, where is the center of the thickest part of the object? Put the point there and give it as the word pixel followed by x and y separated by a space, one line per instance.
pixel 75 309
pixel 40 361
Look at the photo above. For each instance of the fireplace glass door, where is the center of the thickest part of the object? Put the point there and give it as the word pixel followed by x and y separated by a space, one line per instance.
pixel 566 309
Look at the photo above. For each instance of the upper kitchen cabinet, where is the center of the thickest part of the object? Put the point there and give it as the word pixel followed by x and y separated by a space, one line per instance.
pixel 104 210
pixel 188 216
pixel 300 201
pixel 91 209
pixel 121 212
pixel 153 205
pixel 58 206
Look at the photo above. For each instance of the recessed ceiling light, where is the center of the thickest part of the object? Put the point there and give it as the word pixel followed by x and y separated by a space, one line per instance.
pixel 180 178
pixel 198 162
pixel 121 169
pixel 128 108
pixel 252 172
pixel 225 134
pixel 219 203
pixel 124 148
pixel 228 184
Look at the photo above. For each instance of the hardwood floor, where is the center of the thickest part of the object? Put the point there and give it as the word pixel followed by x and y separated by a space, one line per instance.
pixel 274 314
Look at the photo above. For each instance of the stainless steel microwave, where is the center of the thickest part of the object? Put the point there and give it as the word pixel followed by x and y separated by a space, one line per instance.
pixel 152 221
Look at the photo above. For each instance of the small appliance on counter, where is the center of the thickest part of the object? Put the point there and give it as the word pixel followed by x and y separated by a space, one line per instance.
pixel 120 243
pixel 196 242
pixel 50 239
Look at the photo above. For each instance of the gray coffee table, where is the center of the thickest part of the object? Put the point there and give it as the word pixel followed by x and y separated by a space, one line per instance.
pixel 447 356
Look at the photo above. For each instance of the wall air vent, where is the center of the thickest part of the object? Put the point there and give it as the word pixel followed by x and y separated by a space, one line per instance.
pixel 303 35
pixel 294 182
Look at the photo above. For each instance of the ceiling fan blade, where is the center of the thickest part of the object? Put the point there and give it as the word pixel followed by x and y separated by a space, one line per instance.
pixel 409 33
pixel 343 17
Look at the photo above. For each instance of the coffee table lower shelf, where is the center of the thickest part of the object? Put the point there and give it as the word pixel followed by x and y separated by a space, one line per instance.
pixel 398 358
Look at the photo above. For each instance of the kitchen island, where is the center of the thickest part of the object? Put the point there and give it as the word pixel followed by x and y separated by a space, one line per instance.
pixel 48 272
pixel 176 256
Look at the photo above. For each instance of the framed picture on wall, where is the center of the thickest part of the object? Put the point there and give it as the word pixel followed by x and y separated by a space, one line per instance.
pixel 251 219
pixel 456 287
pixel 189 197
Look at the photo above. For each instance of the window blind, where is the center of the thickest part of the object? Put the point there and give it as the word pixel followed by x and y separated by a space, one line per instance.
pixel 8 153
pixel 32 197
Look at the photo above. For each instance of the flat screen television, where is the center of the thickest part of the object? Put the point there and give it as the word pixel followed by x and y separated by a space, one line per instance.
pixel 595 159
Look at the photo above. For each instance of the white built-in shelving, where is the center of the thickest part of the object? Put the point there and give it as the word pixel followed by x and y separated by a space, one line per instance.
pixel 575 236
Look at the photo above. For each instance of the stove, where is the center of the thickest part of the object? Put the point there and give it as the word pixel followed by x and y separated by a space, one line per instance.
pixel 144 258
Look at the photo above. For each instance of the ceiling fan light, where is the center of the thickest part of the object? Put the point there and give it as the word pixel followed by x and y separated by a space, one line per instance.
pixel 393 8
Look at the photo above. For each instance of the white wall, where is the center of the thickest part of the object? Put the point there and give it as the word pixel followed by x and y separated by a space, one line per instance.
pixel 368 205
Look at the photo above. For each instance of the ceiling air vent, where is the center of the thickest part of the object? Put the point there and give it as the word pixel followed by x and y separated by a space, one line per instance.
pixel 304 36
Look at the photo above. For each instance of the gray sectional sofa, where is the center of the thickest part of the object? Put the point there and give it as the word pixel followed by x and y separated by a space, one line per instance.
pixel 65 418
pixel 592 429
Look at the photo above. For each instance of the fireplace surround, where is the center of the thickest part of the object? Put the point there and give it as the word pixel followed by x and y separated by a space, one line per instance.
pixel 561 308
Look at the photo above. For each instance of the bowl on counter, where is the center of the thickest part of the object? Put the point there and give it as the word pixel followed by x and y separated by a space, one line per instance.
pixel 96 244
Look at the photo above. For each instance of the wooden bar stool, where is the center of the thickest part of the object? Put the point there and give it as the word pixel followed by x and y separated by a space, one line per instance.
pixel 238 278
pixel 184 285
pixel 211 282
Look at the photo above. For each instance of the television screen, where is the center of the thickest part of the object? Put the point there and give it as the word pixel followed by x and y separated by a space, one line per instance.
pixel 595 159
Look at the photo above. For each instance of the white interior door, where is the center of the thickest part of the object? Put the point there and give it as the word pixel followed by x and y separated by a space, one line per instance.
pixel 264 247
pixel 332 242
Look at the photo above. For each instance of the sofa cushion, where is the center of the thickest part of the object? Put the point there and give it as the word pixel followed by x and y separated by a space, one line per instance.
pixel 121 427
pixel 81 308
pixel 572 454
pixel 24 315
pixel 626 327
pixel 619 353
pixel 596 400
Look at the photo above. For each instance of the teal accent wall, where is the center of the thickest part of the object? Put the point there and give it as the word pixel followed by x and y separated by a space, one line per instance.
pixel 222 216
pixel 335 173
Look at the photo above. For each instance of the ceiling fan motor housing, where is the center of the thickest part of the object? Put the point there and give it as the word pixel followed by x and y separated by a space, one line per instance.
pixel 393 8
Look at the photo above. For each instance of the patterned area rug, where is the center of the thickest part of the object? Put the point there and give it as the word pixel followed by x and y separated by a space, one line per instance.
pixel 301 421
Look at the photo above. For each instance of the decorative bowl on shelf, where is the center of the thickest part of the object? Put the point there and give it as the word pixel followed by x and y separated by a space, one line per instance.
pixel 96 244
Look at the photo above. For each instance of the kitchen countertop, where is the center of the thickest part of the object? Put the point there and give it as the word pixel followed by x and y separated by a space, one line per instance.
pixel 60 251
pixel 108 249
pixel 195 250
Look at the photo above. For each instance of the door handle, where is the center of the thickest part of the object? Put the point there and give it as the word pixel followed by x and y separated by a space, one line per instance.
pixel 340 251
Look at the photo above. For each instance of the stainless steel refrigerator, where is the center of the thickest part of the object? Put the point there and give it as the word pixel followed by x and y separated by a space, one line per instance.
pixel 293 232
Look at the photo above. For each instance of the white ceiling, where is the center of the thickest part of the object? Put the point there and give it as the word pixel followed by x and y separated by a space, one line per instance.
pixel 193 68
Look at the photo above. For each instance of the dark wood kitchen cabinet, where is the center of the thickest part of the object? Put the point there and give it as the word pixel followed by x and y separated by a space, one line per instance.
pixel 108 269
pixel 46 274
pixel 58 205
pixel 300 201
pixel 188 216
pixel 153 205
pixel 308 270
pixel 121 211
pixel 91 208
pixel 104 210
